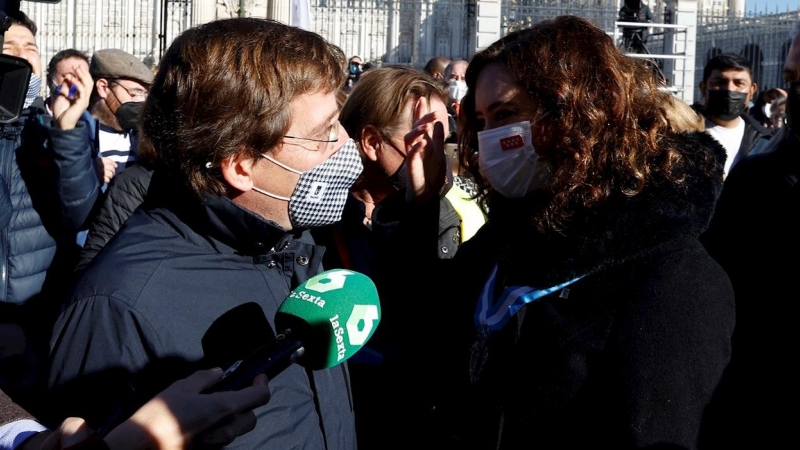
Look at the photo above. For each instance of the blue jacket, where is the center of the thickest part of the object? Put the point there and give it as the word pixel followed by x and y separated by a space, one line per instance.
pixel 50 176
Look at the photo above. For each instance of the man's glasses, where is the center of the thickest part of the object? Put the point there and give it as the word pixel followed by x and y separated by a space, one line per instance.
pixel 322 144
pixel 138 95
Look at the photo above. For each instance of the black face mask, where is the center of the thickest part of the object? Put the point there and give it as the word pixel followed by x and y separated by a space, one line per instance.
pixel 399 180
pixel 129 114
pixel 793 106
pixel 726 105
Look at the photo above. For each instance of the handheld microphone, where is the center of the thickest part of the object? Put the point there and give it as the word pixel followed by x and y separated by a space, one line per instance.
pixel 322 323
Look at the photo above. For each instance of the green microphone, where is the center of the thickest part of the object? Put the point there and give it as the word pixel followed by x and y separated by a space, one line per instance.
pixel 322 323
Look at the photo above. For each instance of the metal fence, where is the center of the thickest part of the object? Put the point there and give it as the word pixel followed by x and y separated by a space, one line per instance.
pixel 403 31
pixel 143 28
pixel 397 32
pixel 762 39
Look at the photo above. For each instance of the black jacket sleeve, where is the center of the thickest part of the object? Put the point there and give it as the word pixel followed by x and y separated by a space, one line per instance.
pixel 78 186
pixel 125 193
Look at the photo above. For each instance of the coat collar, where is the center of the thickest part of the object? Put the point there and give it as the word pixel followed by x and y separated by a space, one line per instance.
pixel 217 217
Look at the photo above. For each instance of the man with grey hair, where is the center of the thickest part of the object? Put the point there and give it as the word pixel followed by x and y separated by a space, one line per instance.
pixel 755 236
pixel 455 76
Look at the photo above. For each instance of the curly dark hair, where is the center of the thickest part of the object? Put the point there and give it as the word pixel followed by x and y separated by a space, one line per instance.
pixel 603 115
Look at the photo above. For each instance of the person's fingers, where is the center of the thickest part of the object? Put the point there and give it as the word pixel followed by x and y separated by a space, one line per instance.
pixel 199 380
pixel 420 109
pixel 84 78
pixel 229 430
pixel 73 430
pixel 260 380
pixel 234 402
pixel 438 135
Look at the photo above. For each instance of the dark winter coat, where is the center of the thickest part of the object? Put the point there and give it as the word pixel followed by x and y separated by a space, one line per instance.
pixel 627 356
pixel 187 284
pixel 53 186
pixel 755 236
pixel 125 193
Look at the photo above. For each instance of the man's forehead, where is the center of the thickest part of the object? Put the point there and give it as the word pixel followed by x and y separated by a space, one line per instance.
pixel 18 34
pixel 70 63
pixel 313 111
pixel 730 74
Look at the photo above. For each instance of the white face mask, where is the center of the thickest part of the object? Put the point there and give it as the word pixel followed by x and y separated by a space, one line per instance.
pixel 507 159
pixel 458 89
pixel 767 110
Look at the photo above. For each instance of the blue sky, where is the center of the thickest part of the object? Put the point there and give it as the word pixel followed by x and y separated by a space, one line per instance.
pixel 772 5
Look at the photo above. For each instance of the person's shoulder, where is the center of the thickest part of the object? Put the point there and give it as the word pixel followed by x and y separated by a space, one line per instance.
pixel 753 123
pixel 779 161
pixel 135 175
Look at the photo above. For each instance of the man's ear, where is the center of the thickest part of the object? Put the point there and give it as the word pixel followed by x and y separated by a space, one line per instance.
pixel 703 89
pixel 371 140
pixel 238 171
pixel 102 87
pixel 753 90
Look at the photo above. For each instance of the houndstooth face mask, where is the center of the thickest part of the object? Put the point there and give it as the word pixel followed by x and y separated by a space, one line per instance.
pixel 320 194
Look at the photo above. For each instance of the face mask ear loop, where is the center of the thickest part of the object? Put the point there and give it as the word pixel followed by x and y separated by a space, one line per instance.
pixel 268 194
pixel 388 142
pixel 279 164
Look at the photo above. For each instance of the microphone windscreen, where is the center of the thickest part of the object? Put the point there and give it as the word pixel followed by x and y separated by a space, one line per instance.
pixel 334 312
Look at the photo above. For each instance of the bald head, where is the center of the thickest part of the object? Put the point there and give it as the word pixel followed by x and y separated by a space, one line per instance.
pixel 436 67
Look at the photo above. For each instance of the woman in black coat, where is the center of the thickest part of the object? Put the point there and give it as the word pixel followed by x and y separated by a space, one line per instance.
pixel 587 314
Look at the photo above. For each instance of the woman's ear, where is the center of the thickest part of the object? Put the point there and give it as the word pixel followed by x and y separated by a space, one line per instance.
pixel 238 171
pixel 371 140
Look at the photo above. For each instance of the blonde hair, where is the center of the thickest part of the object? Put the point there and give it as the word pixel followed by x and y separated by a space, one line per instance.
pixel 681 118
pixel 381 95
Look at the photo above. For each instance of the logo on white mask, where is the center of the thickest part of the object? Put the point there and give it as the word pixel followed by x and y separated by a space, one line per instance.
pixel 458 89
pixel 507 159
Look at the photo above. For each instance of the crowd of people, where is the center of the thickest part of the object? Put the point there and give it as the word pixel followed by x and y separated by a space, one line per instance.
pixel 566 254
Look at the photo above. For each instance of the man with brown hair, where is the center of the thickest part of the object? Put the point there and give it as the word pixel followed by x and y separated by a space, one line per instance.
pixel 121 82
pixel 247 161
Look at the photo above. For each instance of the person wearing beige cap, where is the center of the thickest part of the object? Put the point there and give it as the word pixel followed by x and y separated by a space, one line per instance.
pixel 121 82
